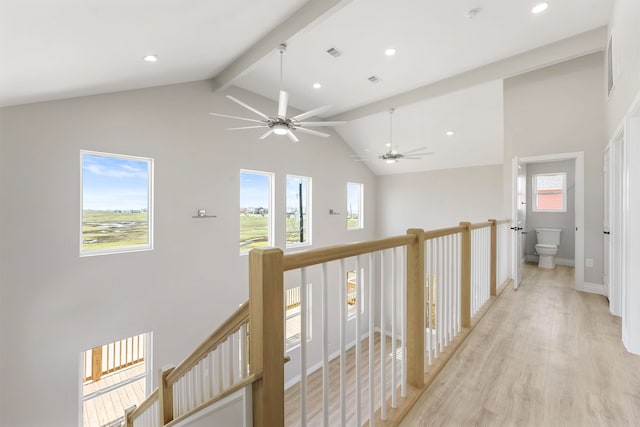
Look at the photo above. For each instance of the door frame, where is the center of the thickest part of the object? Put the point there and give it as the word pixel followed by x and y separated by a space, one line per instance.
pixel 617 169
pixel 578 156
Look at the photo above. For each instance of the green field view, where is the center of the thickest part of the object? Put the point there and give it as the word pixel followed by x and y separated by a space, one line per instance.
pixel 254 231
pixel 113 229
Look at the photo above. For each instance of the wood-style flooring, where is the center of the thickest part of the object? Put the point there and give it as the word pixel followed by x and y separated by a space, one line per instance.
pixel 544 355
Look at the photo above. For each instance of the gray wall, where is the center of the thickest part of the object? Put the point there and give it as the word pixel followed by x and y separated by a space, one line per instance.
pixel 561 109
pixel 563 220
pixel 54 304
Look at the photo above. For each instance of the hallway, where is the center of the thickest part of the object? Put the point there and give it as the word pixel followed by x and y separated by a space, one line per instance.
pixel 545 355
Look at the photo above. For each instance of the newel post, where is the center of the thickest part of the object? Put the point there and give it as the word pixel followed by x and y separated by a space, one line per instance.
pixel 165 396
pixel 465 276
pixel 415 308
pixel 266 335
pixel 494 256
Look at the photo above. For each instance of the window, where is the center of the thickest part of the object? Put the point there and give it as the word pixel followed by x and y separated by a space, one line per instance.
pixel 292 317
pixel 116 202
pixel 353 296
pixel 354 206
pixel 550 192
pixel 298 213
pixel 255 210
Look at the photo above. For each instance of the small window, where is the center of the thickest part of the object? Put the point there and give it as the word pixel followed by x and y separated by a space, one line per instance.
pixel 298 211
pixel 550 192
pixel 255 210
pixel 353 295
pixel 116 203
pixel 354 206
pixel 293 306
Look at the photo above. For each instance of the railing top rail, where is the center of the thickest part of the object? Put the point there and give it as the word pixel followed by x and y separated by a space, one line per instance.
pixel 503 221
pixel 434 234
pixel 319 256
pixel 481 225
pixel 240 316
pixel 150 400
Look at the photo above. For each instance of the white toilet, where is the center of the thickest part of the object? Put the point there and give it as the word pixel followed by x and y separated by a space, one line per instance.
pixel 547 247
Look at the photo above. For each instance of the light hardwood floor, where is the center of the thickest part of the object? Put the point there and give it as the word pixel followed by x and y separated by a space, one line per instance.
pixel 545 355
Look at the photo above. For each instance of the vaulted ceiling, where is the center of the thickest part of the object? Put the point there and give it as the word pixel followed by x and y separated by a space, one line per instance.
pixel 451 57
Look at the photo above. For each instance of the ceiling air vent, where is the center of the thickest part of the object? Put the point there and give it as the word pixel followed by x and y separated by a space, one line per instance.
pixel 335 52
pixel 374 79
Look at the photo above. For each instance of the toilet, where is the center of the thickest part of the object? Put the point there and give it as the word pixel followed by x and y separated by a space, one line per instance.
pixel 547 247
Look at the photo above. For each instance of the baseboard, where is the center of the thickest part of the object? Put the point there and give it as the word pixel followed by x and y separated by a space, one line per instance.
pixel 558 261
pixel 632 346
pixel 593 288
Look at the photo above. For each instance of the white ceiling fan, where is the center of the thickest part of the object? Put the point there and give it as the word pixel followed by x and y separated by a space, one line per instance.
pixel 281 124
pixel 393 155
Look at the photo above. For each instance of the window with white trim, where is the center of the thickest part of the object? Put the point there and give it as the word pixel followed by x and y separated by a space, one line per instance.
pixel 293 324
pixel 549 192
pixel 256 221
pixel 355 205
pixel 298 213
pixel 116 203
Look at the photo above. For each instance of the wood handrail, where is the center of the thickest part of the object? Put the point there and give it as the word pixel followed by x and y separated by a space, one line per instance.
pixel 146 404
pixel 503 221
pixel 237 386
pixel 481 225
pixel 240 316
pixel 332 253
pixel 434 234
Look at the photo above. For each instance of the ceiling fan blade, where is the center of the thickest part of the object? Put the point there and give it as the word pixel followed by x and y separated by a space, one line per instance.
pixel 266 134
pixel 248 107
pixel 416 150
pixel 311 113
pixel 248 127
pixel 312 132
pixel 319 123
pixel 282 104
pixel 235 117
pixel 292 137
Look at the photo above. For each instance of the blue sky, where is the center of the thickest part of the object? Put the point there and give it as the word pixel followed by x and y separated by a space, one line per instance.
pixel 254 190
pixel 353 197
pixel 292 193
pixel 110 183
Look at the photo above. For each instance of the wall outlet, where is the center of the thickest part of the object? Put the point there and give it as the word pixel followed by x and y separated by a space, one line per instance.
pixel 588 262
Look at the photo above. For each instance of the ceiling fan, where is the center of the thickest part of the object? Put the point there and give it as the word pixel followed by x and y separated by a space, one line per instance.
pixel 281 124
pixel 393 155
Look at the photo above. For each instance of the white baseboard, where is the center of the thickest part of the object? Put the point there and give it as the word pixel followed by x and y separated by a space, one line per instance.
pixel 558 261
pixel 593 288
pixel 632 346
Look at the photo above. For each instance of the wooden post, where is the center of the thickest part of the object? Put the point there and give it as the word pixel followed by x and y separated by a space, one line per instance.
pixel 494 256
pixel 96 363
pixel 465 276
pixel 266 337
pixel 415 309
pixel 165 396
pixel 128 422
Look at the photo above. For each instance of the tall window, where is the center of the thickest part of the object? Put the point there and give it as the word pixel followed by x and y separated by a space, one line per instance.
pixel 355 294
pixel 293 324
pixel 116 203
pixel 550 192
pixel 355 206
pixel 298 211
pixel 255 210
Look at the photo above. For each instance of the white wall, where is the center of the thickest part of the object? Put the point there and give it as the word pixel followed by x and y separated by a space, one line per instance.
pixel 55 304
pixel 438 199
pixel 562 220
pixel 560 109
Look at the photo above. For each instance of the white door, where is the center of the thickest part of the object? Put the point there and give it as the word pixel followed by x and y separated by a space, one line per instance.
pixel 606 226
pixel 518 217
pixel 617 227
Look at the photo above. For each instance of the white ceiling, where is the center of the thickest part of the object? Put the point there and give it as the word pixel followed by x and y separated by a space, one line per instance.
pixel 67 48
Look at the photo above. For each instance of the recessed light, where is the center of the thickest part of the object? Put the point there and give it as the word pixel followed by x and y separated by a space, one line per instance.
pixel 151 58
pixel 449 133
pixel 388 144
pixel 317 85
pixel 390 52
pixel 539 8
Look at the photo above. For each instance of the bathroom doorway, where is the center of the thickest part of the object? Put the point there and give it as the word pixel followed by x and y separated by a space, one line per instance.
pixel 527 237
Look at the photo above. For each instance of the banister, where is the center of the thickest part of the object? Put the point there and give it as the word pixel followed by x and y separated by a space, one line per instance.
pixel 434 234
pixel 240 316
pixel 332 253
pixel 146 404
pixel 481 225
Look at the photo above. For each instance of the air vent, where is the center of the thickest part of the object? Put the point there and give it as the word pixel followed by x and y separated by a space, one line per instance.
pixel 335 52
pixel 374 79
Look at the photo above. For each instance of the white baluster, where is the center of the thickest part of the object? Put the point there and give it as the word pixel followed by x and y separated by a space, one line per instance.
pixel 403 284
pixel 342 286
pixel 383 338
pixel 394 403
pixel 243 350
pixel 358 292
pixel 325 347
pixel 303 346
pixel 371 342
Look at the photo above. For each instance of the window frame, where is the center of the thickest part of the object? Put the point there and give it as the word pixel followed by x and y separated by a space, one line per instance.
pixel 562 192
pixel 360 225
pixel 270 224
pixel 150 205
pixel 307 202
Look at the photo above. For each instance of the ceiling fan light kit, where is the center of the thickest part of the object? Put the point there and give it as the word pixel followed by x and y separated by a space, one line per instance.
pixel 281 124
